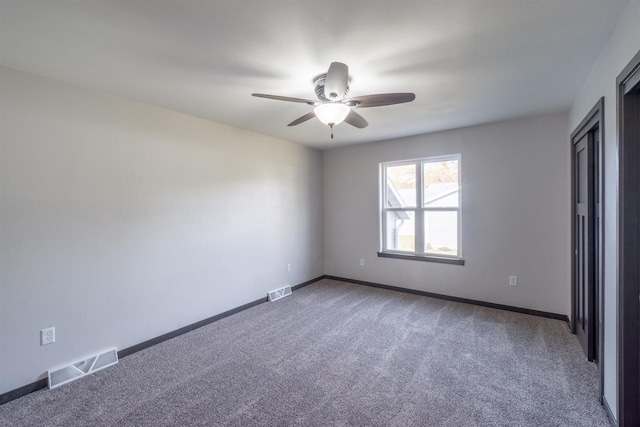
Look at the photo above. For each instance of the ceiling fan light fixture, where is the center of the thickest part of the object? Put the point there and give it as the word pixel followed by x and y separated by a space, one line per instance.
pixel 331 113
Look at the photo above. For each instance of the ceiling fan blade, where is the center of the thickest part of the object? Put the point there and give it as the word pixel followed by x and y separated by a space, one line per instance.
pixel 381 99
pixel 285 98
pixel 302 119
pixel 355 119
pixel 335 84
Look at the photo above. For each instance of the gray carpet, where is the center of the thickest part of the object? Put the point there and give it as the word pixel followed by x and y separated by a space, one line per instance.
pixel 335 353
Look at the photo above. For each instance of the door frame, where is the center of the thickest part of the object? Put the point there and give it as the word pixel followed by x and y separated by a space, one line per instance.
pixel 628 327
pixel 594 119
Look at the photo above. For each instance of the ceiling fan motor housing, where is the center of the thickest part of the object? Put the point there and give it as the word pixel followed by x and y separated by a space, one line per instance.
pixel 318 85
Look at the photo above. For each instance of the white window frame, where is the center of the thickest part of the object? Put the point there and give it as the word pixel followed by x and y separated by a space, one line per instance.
pixel 419 211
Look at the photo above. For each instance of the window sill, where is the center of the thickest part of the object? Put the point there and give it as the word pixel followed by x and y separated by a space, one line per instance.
pixel 427 258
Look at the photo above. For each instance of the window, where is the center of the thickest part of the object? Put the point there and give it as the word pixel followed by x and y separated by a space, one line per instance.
pixel 420 209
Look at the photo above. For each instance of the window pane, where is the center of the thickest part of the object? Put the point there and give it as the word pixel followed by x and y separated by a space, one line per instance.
pixel 441 233
pixel 401 186
pixel 401 231
pixel 441 184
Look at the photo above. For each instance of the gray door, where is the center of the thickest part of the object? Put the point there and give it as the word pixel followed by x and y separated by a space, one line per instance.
pixel 585 273
pixel 628 324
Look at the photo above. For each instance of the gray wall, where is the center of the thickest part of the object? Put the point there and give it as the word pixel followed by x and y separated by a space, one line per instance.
pixel 121 221
pixel 515 213
pixel 616 54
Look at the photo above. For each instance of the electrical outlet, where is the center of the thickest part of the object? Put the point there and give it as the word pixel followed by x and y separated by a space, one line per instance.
pixel 288 268
pixel 47 336
pixel 513 280
pixel 361 261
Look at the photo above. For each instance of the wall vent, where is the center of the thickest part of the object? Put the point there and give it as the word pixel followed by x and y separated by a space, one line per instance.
pixel 280 293
pixel 72 372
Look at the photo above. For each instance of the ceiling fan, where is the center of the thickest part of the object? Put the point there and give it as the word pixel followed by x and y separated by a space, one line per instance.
pixel 333 107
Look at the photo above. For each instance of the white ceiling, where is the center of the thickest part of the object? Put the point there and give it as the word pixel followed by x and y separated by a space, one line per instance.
pixel 468 62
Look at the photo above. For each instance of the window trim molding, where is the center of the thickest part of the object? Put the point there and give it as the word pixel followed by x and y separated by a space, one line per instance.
pixel 418 210
pixel 427 258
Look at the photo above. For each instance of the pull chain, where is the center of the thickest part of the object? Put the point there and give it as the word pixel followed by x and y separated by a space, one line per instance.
pixel 331 126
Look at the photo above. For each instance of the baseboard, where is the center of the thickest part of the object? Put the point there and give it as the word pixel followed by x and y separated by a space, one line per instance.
pixel 21 391
pixel 455 299
pixel 157 340
pixel 612 418
pixel 40 384
pixel 307 283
